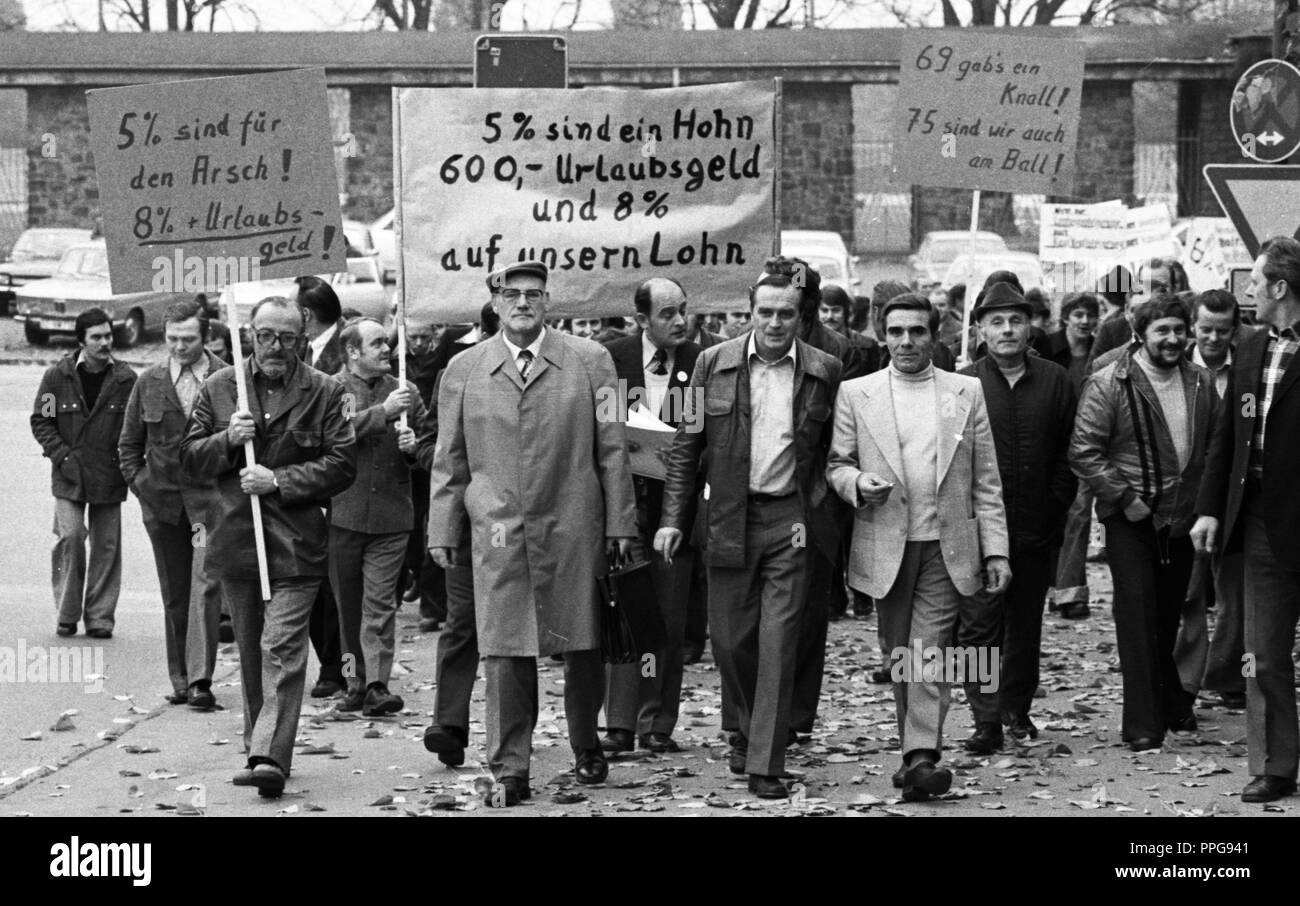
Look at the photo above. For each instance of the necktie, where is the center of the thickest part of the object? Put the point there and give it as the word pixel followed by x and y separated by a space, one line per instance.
pixel 525 363
pixel 659 363
pixel 187 388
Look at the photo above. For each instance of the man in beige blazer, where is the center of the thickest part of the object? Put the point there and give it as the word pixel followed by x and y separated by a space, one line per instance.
pixel 913 453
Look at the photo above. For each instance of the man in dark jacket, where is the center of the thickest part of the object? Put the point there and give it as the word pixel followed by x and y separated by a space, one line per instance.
pixel 654 365
pixel 175 506
pixel 370 521
pixel 1139 442
pixel 77 418
pixel 1031 412
pixel 1250 502
pixel 767 402
pixel 305 454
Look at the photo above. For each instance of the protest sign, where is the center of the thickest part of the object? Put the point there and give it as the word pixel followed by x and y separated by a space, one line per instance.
pixel 606 187
pixel 214 181
pixel 1079 244
pixel 1211 249
pixel 983 111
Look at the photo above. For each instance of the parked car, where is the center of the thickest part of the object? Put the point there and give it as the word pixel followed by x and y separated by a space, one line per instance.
pixel 826 252
pixel 940 248
pixel 360 286
pixel 49 308
pixel 35 256
pixel 383 233
pixel 359 237
pixel 1024 265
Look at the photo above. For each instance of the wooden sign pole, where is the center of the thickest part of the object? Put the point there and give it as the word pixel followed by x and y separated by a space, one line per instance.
pixel 241 385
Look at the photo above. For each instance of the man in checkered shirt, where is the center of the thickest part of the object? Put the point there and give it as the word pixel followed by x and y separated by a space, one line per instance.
pixel 1250 501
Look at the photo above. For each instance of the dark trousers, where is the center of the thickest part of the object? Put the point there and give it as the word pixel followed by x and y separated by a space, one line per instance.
pixel 191 601
pixel 1272 605
pixel 644 696
pixel 697 608
pixel 325 634
pixel 1011 625
pixel 1071 580
pixel 272 641
pixel 825 577
pixel 511 708
pixel 428 577
pixel 1150 572
pixel 1227 643
pixel 457 648
pixel 363 571
pixel 755 612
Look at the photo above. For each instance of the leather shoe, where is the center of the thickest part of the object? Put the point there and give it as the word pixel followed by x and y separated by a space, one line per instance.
pixel 659 743
pixel 243 778
pixel 591 767
pixel 1145 743
pixel 269 780
pixel 898 777
pixel 201 699
pixel 765 787
pixel 1022 727
pixel 795 738
pixel 379 701
pixel 509 792
pixel 448 743
pixel 180 697
pixel 99 633
pixel 1185 724
pixel 1235 700
pixel 355 700
pixel 692 653
pixel 1074 610
pixel 325 688
pixel 987 739
pixel 1267 788
pixel 225 632
pixel 882 675
pixel 430 625
pixel 738 755
pixel 66 629
pixel 618 741
pixel 924 780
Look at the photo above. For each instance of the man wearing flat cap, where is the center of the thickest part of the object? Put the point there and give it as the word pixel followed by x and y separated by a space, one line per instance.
pixel 544 490
pixel 1031 406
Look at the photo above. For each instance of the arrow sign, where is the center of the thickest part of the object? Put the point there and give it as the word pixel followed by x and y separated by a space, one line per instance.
pixel 1265 111
pixel 1262 201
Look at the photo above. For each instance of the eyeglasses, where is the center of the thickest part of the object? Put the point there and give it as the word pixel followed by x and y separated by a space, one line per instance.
pixel 288 339
pixel 532 295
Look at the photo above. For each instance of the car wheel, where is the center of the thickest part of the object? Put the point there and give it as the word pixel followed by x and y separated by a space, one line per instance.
pixel 35 336
pixel 131 332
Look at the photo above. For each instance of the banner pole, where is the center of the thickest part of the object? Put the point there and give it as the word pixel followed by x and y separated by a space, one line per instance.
pixel 250 458
pixel 401 262
pixel 970 277
pixel 777 145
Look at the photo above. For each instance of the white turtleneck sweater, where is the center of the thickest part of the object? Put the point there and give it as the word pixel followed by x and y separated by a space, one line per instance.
pixel 916 416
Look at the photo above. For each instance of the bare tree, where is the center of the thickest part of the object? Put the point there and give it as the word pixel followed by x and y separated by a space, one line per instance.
pixel 181 15
pixel 647 13
pixel 1015 13
pixel 12 17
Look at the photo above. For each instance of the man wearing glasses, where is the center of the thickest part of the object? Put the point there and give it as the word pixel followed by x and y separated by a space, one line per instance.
pixel 305 453
pixel 541 486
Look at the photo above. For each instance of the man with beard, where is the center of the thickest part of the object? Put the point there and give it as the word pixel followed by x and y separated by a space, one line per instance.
pixel 305 454
pixel 1139 443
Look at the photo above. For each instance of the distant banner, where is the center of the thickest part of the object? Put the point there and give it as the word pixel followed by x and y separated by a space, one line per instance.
pixel 606 186
pixel 212 181
pixel 1078 244
pixel 1212 250
pixel 982 111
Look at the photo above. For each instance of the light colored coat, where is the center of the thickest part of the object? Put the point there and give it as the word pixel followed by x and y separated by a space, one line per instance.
pixel 972 521
pixel 539 482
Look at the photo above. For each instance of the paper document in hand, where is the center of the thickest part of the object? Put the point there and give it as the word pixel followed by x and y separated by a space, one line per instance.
pixel 641 417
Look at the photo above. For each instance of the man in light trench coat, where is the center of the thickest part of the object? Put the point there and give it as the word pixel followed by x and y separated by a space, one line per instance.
pixel 543 487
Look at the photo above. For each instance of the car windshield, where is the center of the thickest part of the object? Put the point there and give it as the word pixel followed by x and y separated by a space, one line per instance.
pixel 949 249
pixel 83 262
pixel 827 268
pixel 48 245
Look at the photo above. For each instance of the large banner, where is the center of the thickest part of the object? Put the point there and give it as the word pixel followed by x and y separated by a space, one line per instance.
pixel 605 186
pixel 214 181
pixel 1079 243
pixel 977 110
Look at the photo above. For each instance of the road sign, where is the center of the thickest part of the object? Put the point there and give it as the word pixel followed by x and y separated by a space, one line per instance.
pixel 521 61
pixel 1260 200
pixel 1265 111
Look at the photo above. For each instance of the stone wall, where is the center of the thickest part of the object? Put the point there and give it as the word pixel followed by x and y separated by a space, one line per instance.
pixel 62 190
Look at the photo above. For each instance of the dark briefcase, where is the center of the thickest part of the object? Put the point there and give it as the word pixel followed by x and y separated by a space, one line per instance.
pixel 630 621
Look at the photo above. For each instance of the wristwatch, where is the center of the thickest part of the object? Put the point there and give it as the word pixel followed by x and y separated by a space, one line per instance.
pixel 275 481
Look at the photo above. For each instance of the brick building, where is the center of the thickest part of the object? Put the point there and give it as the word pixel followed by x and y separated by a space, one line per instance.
pixel 1154 111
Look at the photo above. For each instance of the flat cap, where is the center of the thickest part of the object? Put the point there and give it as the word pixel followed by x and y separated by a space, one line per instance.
pixel 497 278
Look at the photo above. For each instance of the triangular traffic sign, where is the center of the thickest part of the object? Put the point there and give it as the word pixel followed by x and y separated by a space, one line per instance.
pixel 1261 200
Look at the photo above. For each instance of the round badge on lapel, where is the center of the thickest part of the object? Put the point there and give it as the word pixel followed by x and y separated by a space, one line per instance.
pixel 682 376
